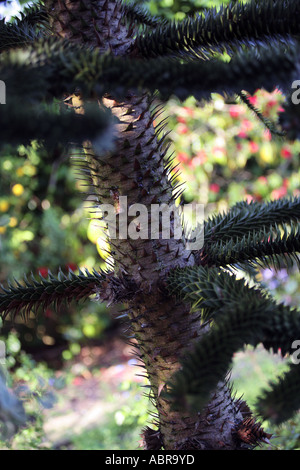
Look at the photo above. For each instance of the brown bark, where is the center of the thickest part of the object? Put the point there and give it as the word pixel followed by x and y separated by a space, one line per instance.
pixel 164 328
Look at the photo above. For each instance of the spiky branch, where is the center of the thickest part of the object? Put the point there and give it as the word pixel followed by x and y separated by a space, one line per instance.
pixel 33 294
pixel 223 30
pixel 242 316
pixel 22 124
pixel 66 67
pixel 243 218
pixel 256 233
pixel 262 248
pixel 281 401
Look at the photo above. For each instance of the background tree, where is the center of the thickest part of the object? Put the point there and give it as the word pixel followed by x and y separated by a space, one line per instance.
pixel 111 62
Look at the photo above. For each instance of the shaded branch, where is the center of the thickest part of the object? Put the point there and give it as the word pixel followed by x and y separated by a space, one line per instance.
pixel 224 30
pixel 33 294
pixel 18 34
pixel 282 400
pixel 141 15
pixel 33 15
pixel 66 67
pixel 242 316
pixel 21 124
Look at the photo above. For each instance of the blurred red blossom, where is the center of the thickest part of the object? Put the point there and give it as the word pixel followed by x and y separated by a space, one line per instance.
pixel 182 129
pixel 249 198
pixel 279 192
pixel 181 119
pixel 242 135
pixel 286 153
pixel 246 125
pixel 199 158
pixel 71 266
pixel 254 147
pixel 214 187
pixel 189 111
pixel 263 179
pixel 236 111
pixel 252 100
pixel 43 271
pixel 183 157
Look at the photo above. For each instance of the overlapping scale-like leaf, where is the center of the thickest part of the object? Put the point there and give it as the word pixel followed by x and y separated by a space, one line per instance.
pixel 241 316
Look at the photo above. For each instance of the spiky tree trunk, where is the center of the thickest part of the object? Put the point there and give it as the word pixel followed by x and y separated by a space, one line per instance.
pixel 163 327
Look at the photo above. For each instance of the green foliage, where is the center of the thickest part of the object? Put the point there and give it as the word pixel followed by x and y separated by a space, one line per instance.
pixel 34 15
pixel 35 389
pixel 12 414
pixel 120 429
pixel 225 155
pixel 179 9
pixel 140 15
pixel 45 225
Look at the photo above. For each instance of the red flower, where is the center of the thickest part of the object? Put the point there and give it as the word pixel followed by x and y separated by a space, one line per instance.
pixel 71 266
pixel 267 135
pixel 254 147
pixel 214 188
pixel 278 193
pixel 286 182
pixel 234 111
pixel 43 271
pixel 199 158
pixel 182 129
pixel 249 198
pixel 242 135
pixel 181 119
pixel 48 313
pixel 271 103
pixel 77 381
pixel 182 157
pixel 189 111
pixel 286 153
pixel 252 100
pixel 247 125
pixel 263 179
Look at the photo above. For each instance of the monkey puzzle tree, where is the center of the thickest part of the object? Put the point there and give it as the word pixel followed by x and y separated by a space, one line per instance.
pixel 112 63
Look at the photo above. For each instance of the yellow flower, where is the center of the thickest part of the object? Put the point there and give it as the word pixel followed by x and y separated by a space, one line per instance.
pixel 4 206
pixel 266 153
pixel 2 229
pixel 20 171
pixel 13 222
pixel 103 248
pixel 18 189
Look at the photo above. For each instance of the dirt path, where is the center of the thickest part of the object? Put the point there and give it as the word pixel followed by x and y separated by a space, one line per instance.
pixel 94 391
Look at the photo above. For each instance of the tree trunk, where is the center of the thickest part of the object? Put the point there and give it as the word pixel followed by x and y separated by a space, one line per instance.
pixel 163 327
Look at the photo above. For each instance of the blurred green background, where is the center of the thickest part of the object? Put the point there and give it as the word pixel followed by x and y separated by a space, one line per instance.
pixel 60 363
